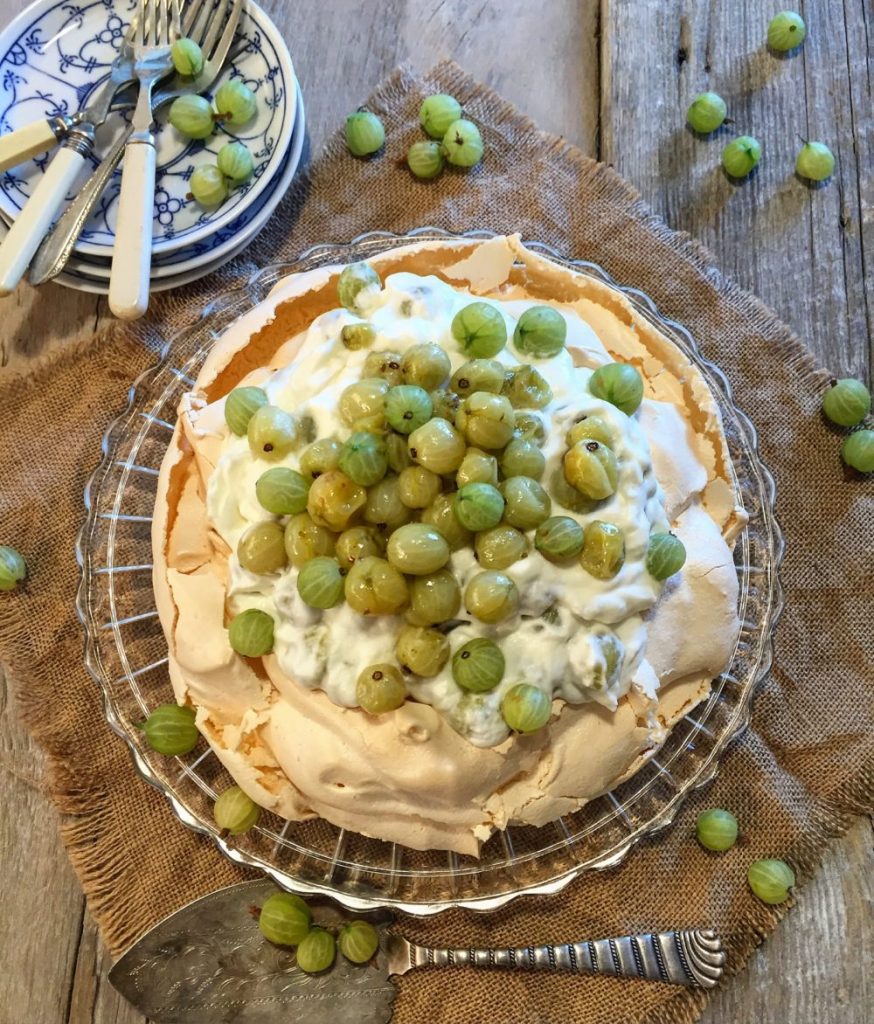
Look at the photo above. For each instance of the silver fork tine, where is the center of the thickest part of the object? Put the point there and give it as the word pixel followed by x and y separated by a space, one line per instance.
pixel 215 23
pixel 200 24
pixel 141 24
pixel 220 51
pixel 177 27
pixel 192 9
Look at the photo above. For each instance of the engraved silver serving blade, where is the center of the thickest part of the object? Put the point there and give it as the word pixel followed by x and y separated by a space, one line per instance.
pixel 209 962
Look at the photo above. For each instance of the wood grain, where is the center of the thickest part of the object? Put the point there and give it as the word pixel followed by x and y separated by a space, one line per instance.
pixel 613 77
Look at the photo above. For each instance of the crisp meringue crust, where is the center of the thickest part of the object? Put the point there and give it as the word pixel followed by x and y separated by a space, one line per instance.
pixel 410 777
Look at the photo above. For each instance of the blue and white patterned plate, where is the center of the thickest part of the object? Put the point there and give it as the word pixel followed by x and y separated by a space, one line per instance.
pixel 170 272
pixel 56 50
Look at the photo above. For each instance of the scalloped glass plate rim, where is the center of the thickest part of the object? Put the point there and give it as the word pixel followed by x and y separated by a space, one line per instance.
pixel 379 241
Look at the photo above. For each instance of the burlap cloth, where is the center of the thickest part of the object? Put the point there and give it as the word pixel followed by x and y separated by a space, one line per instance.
pixel 796 779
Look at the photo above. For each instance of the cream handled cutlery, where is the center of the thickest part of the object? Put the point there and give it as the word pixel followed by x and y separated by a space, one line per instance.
pixel 33 222
pixel 158 25
pixel 213 29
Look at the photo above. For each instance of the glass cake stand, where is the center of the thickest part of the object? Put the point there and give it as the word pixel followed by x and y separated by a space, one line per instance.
pixel 126 654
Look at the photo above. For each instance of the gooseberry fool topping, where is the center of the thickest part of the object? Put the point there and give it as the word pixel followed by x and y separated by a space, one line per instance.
pixel 541 332
pixel 251 633
pixel 380 688
pixel 417 549
pixel 491 596
pixel 665 555
pixel 526 708
pixel 320 582
pixel 478 506
pixel 272 433
pixel 480 330
pixel 603 553
pixel 364 458
pixel 407 407
pixel 592 469
pixel 478 665
pixel 355 279
pixel 619 384
pixel 427 366
pixel 421 650
pixel 282 491
pixel 240 405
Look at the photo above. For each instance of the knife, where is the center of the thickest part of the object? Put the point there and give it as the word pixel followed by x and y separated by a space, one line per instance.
pixel 34 220
pixel 209 961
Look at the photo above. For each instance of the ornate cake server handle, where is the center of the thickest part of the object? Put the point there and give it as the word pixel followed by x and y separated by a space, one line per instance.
pixel 693 957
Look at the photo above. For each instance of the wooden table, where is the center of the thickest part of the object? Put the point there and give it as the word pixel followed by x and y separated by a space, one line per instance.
pixel 615 78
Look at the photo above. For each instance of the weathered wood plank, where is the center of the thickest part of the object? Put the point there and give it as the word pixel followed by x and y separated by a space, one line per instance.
pixel 803 250
pixel 42 903
pixel 817 964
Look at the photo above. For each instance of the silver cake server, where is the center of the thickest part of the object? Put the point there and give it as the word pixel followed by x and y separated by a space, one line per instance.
pixel 208 962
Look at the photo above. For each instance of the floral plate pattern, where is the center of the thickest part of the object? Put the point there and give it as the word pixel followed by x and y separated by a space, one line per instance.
pixel 53 53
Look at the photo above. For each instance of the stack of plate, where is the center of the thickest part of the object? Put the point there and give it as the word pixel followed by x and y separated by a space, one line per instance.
pixel 54 52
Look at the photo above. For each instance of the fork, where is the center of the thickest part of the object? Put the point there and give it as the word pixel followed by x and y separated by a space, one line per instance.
pixel 39 211
pixel 158 26
pixel 202 23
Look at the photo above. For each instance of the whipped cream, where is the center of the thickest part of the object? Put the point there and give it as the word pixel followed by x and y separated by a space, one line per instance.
pixel 554 640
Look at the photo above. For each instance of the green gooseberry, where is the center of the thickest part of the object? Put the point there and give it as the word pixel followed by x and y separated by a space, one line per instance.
pixel 741 155
pixel 12 568
pixel 786 30
pixel 354 279
pixel 234 102
pixel 358 941
pixel 240 405
pixel 170 730
pixel 251 633
pixel 706 112
pixel 526 708
pixel 235 161
pixel 858 451
pixel 316 951
pixel 437 113
pixel 771 880
pixel 426 159
pixel 716 830
pixel 365 133
pixel 815 161
pixel 847 402
pixel 187 58
pixel 285 919
pixel 541 331
pixel 665 555
pixel 235 811
pixel 480 330
pixel 463 144
pixel 620 384
pixel 208 186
